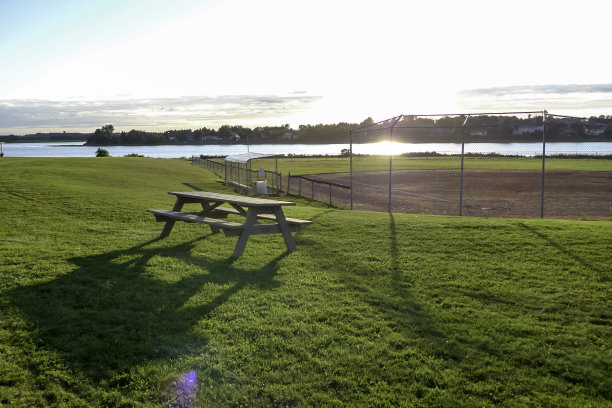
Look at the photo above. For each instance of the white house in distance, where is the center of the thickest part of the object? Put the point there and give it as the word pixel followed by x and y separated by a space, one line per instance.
pixel 478 132
pixel 527 130
pixel 594 130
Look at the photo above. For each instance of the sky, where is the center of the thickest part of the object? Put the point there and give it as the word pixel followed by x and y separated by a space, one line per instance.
pixel 73 65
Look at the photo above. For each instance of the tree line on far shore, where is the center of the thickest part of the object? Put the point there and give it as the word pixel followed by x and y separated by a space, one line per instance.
pixel 226 134
pixel 52 137
pixel 482 128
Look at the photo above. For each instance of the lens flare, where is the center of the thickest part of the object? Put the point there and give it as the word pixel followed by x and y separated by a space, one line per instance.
pixel 185 390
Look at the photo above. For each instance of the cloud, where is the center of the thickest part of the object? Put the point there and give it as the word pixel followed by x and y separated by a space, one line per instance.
pixel 539 89
pixel 149 113
pixel 588 98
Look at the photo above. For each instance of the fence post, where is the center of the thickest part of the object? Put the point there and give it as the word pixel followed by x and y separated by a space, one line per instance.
pixel 462 157
pixel 390 168
pixel 288 182
pixel 351 166
pixel 391 159
pixel 330 200
pixel 300 186
pixel 543 160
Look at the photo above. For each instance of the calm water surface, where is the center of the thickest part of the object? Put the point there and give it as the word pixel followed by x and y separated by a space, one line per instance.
pixel 77 149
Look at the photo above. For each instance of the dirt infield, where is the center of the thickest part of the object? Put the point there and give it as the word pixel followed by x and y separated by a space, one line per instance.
pixel 493 193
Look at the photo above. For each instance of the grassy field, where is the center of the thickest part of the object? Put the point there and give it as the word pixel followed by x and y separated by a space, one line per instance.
pixel 337 164
pixel 372 310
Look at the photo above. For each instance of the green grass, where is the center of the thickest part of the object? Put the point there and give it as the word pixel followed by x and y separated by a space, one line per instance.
pixel 372 310
pixel 301 165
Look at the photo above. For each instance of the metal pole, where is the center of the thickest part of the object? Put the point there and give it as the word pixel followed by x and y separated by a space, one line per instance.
pixel 391 159
pixel 351 165
pixel 462 157
pixel 390 167
pixel 543 160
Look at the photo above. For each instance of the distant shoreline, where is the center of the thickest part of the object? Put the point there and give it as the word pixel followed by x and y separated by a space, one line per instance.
pixel 415 140
pixel 491 140
pixel 589 139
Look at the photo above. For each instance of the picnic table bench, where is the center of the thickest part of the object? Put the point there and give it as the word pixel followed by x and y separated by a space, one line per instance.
pixel 252 208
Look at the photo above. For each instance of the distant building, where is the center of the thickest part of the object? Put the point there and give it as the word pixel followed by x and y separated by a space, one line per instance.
pixel 527 130
pixel 594 130
pixel 479 132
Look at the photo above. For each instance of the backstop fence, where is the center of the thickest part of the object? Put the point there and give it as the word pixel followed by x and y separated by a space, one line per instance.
pixel 513 164
pixel 501 165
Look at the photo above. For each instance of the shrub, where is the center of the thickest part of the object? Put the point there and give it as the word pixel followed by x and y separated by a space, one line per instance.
pixel 102 152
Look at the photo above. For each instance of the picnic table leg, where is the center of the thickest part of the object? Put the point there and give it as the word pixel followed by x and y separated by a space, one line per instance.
pixel 251 219
pixel 178 206
pixel 284 227
pixel 206 207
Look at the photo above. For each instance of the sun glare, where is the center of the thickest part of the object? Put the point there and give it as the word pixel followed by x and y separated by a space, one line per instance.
pixel 380 148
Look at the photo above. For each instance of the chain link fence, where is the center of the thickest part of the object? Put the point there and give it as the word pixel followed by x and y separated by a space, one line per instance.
pixel 240 175
pixel 516 164
pixel 317 188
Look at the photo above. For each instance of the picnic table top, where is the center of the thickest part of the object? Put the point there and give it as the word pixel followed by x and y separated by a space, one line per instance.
pixel 231 199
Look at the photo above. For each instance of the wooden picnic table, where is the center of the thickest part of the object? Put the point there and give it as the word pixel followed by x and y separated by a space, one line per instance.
pixel 252 208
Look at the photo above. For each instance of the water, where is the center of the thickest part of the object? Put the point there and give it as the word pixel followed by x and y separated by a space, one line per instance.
pixel 77 149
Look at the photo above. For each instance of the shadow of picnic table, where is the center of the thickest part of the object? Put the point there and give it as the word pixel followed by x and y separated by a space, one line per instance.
pixel 112 312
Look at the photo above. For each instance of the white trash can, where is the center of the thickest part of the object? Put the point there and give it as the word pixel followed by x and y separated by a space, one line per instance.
pixel 262 187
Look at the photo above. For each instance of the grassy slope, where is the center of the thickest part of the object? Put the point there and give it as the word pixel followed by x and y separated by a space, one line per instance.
pixel 372 310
